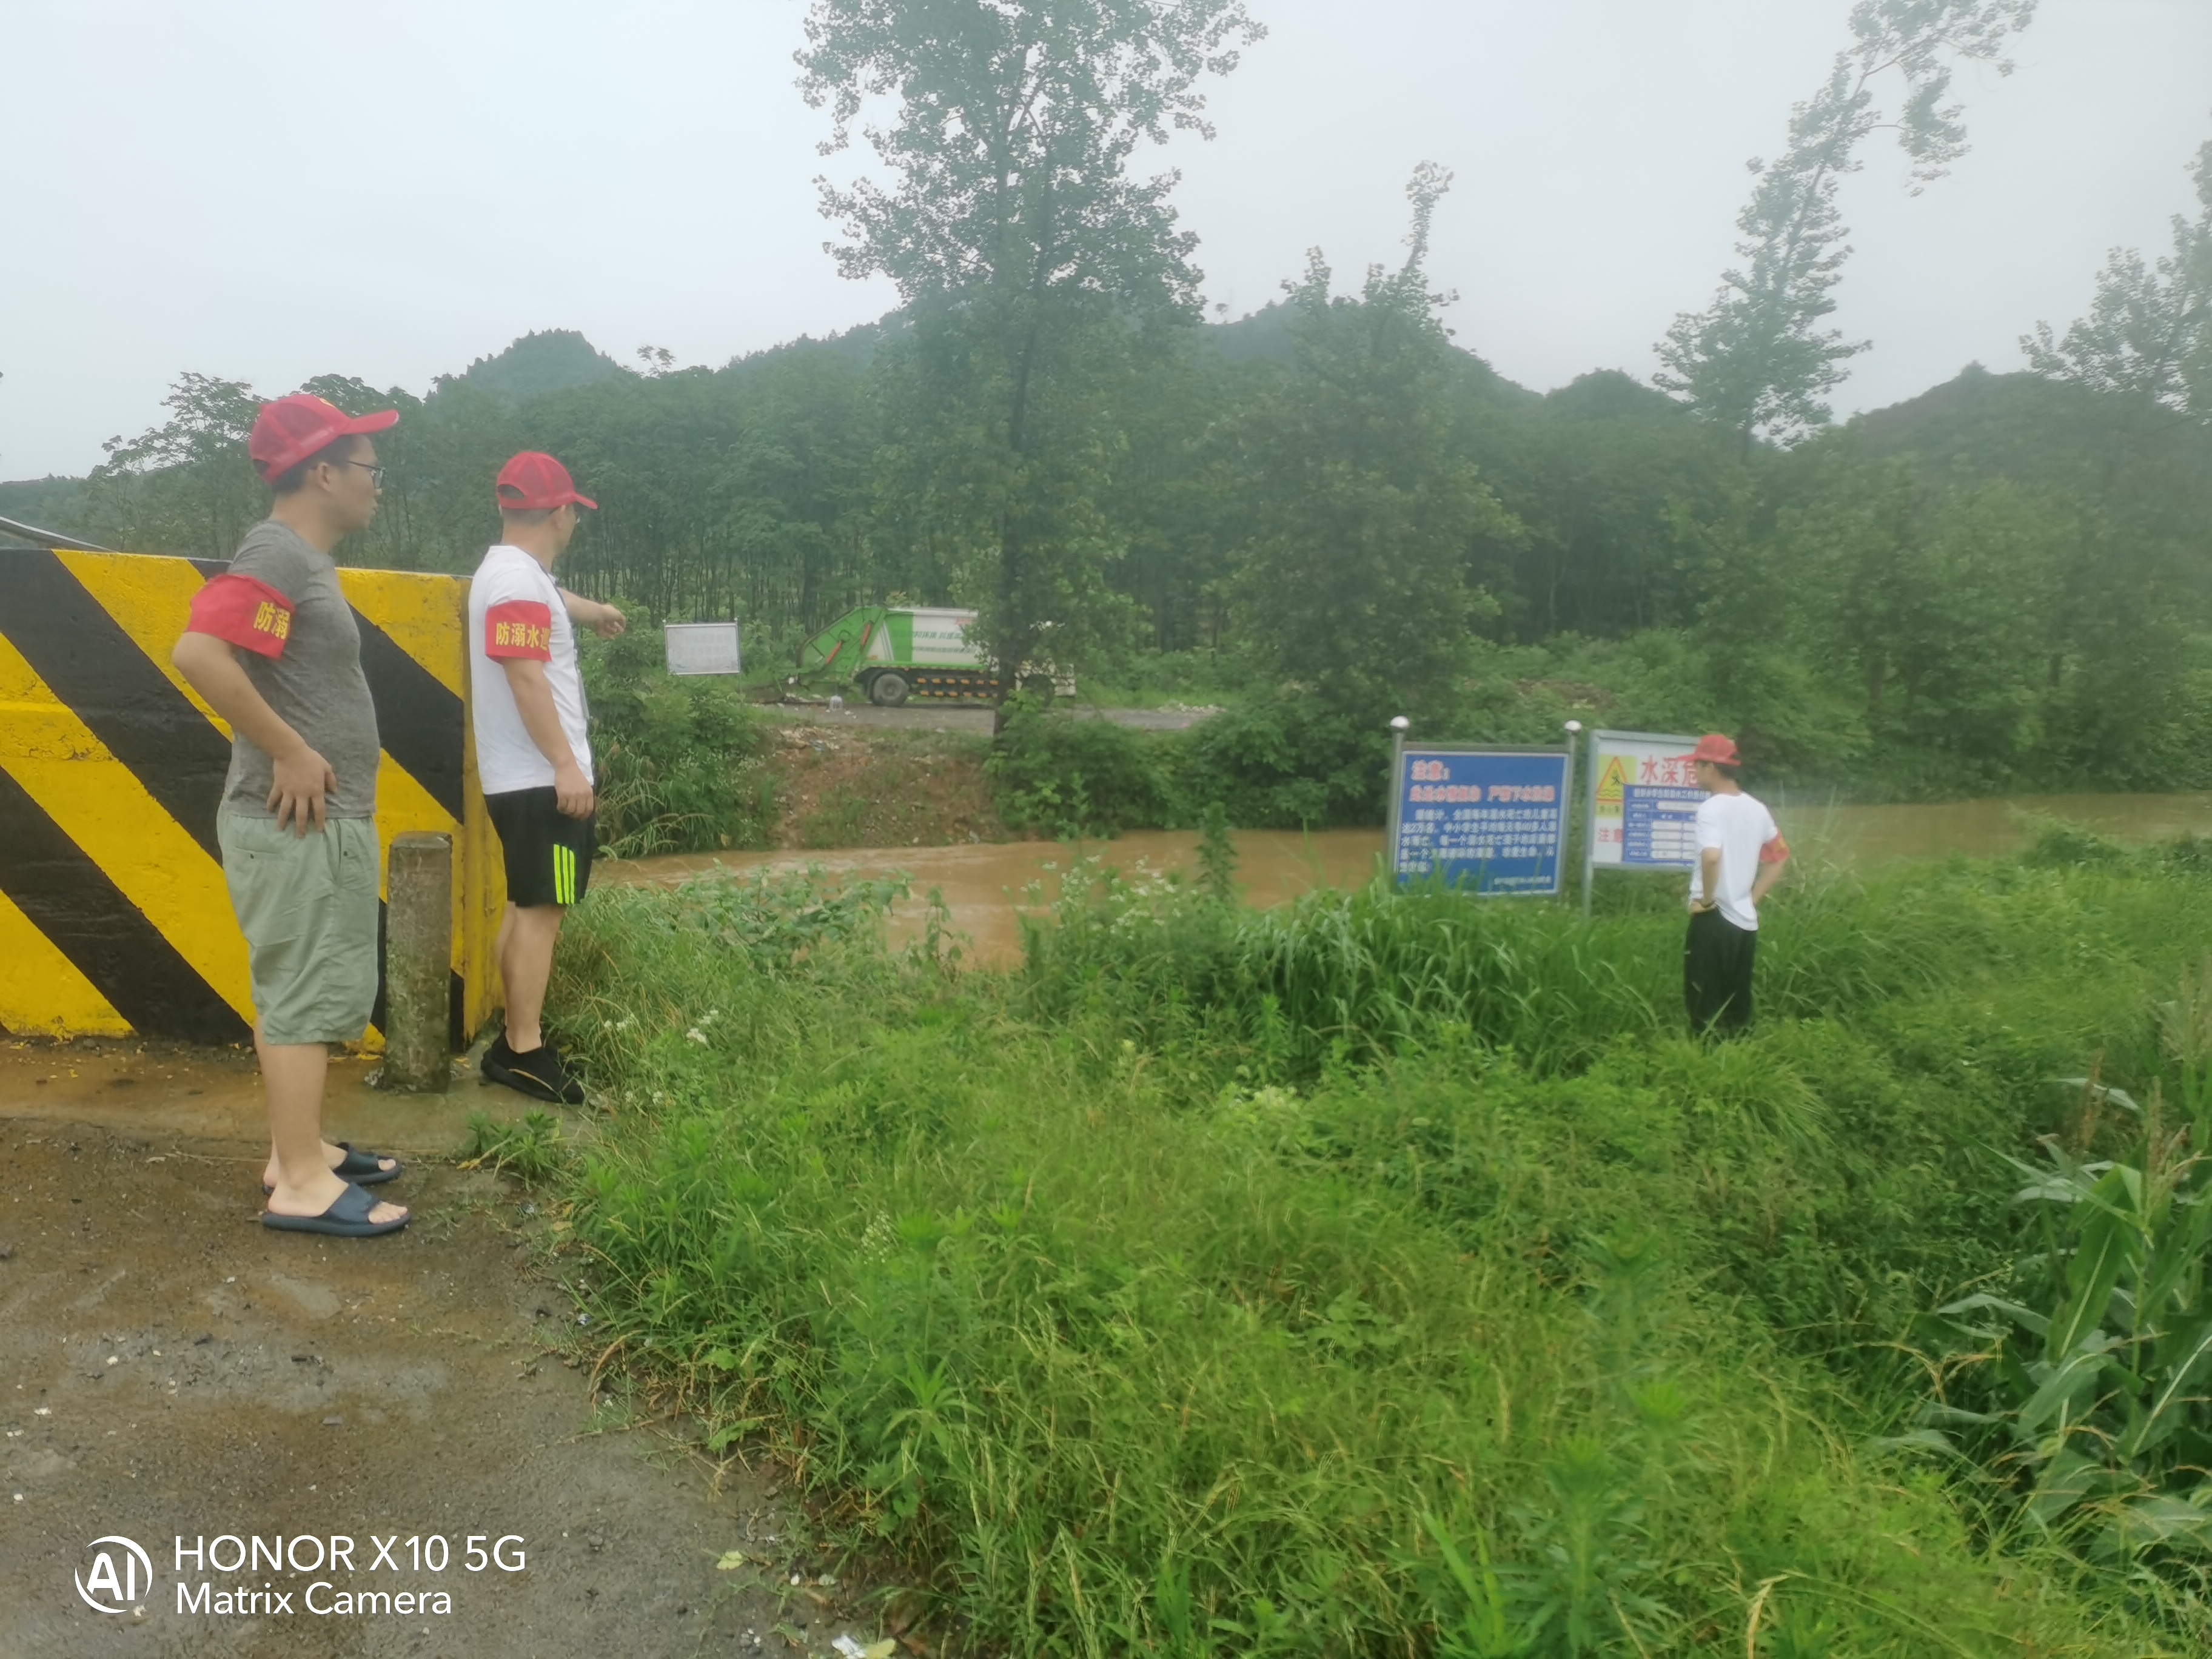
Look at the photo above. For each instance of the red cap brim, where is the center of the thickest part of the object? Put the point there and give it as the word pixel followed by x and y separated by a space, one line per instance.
pixel 585 500
pixel 376 422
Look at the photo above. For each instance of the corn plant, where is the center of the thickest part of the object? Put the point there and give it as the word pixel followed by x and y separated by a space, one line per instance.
pixel 2098 1370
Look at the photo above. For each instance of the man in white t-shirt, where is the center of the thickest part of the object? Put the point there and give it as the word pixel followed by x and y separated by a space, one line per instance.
pixel 533 751
pixel 1739 858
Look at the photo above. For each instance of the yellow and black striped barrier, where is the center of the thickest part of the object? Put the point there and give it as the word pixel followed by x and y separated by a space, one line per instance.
pixel 114 919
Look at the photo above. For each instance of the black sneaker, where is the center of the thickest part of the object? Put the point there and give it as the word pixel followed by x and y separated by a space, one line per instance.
pixel 539 1072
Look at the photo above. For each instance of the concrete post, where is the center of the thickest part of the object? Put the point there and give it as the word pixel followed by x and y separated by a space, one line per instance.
pixel 418 936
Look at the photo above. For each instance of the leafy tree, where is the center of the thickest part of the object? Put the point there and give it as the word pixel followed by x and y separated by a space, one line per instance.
pixel 1365 507
pixel 2149 329
pixel 1032 265
pixel 738 494
pixel 1176 499
pixel 1939 606
pixel 393 541
pixel 184 486
pixel 2125 488
pixel 1594 474
pixel 1757 360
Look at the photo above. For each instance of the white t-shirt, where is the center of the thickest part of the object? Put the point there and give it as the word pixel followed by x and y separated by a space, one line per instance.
pixel 1740 825
pixel 515 611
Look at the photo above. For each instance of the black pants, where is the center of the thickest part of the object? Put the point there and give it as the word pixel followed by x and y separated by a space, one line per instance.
pixel 1716 958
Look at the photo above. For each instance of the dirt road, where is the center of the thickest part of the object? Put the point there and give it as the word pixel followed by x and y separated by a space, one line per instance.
pixel 955 717
pixel 170 1371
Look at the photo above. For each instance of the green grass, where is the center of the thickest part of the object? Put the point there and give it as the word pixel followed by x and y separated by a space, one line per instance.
pixel 1383 1273
pixel 533 1148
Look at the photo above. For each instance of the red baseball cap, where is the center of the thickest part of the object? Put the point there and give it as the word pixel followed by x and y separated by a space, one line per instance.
pixel 533 481
pixel 285 433
pixel 1715 748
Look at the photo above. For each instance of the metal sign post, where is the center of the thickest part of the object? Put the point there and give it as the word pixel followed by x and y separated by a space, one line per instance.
pixel 1398 727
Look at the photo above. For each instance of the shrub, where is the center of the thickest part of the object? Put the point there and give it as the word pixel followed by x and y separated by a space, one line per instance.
pixel 1287 761
pixel 678 758
pixel 1068 778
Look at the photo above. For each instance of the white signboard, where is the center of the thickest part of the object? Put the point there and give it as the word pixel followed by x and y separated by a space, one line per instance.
pixel 1643 801
pixel 941 637
pixel 701 648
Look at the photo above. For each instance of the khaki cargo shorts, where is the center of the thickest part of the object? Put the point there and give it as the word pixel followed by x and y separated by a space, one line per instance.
pixel 307 907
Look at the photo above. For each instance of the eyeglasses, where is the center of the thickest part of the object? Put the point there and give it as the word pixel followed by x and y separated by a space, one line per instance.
pixel 375 471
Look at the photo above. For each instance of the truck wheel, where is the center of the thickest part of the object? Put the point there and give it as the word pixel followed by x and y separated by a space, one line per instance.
pixel 888 690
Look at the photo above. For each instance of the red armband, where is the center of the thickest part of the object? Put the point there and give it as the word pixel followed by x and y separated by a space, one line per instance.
pixel 243 612
pixel 519 628
pixel 1774 852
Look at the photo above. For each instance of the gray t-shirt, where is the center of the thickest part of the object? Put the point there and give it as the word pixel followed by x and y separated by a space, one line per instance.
pixel 316 687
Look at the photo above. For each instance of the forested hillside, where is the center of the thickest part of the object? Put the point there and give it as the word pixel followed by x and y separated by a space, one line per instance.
pixel 2000 582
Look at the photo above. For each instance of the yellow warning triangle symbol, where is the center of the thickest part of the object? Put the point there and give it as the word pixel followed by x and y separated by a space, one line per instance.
pixel 1613 784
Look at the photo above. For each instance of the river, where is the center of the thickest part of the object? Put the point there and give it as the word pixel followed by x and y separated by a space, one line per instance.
pixel 985 884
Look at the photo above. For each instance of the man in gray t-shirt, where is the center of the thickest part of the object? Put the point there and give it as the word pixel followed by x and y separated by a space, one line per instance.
pixel 317 683
pixel 272 646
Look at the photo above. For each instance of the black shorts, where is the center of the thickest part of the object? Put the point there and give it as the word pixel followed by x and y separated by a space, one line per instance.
pixel 1716 962
pixel 548 853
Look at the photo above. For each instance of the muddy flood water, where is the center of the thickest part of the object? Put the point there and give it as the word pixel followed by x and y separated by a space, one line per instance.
pixel 986 886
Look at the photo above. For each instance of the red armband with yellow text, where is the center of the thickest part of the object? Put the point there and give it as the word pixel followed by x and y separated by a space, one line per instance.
pixel 1774 852
pixel 243 612
pixel 519 628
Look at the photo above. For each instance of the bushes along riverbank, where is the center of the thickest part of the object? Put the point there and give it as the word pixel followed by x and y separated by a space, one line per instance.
pixel 1381 1273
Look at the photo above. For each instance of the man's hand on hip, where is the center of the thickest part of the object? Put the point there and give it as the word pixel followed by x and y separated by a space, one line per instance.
pixel 572 790
pixel 302 780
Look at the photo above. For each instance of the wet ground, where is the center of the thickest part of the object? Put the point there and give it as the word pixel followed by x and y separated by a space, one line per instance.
pixel 171 1369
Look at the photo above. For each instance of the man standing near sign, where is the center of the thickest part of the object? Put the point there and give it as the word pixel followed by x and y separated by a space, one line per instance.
pixel 1740 854
pixel 533 751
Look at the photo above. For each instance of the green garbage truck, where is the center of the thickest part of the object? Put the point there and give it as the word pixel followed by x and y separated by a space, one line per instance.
pixel 898 652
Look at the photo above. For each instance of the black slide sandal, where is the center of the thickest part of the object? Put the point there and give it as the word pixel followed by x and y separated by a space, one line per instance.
pixel 347 1218
pixel 363 1169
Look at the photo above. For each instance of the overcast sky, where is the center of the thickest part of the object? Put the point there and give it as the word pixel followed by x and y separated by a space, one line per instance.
pixel 270 192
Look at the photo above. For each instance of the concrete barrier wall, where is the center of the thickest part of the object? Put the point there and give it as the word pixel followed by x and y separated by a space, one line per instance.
pixel 113 916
